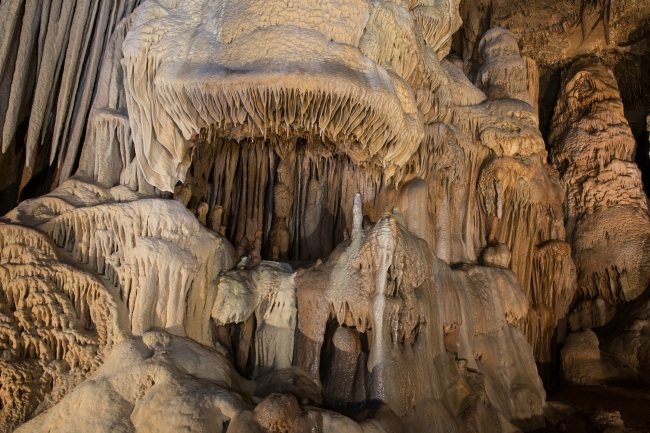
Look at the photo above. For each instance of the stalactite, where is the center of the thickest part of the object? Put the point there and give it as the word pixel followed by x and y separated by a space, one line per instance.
pixel 66 40
pixel 420 258
pixel 255 193
pixel 605 7
pixel 28 36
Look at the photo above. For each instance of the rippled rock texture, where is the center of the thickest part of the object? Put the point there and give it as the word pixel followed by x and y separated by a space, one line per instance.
pixel 305 216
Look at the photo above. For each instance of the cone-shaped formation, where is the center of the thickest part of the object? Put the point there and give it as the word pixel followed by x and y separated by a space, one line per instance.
pixel 284 210
pixel 607 218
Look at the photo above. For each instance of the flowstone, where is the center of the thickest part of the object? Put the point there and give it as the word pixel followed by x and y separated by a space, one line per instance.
pixel 607 219
pixel 305 216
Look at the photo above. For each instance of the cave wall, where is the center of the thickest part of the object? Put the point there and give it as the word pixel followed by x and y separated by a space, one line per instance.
pixel 318 216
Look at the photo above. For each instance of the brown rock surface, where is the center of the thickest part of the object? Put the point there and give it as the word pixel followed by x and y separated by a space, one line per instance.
pixel 607 219
pixel 319 215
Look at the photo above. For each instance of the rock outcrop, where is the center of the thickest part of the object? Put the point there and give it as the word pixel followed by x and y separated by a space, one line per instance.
pixel 583 363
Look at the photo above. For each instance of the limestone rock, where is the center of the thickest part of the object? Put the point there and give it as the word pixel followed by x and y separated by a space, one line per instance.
pixel 607 220
pixel 58 323
pixel 554 32
pixel 584 364
pixel 323 216
pixel 629 340
pixel 606 422
pixel 144 376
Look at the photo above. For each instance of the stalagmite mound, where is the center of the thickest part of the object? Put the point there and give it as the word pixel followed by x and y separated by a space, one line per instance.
pixel 629 338
pixel 290 216
pixel 584 364
pixel 607 217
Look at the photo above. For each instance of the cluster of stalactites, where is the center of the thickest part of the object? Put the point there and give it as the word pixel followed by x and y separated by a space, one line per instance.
pixel 50 56
pixel 130 240
pixel 108 154
pixel 294 196
pixel 552 291
pixel 372 95
pixel 42 292
pixel 303 176
pixel 518 221
pixel 133 250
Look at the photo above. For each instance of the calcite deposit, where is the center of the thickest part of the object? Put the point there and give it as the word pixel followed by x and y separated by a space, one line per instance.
pixel 324 216
pixel 607 218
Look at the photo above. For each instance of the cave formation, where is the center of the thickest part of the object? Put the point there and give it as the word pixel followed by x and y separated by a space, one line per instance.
pixel 324 216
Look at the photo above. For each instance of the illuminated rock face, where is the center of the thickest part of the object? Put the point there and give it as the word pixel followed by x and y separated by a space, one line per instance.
pixel 347 71
pixel 58 322
pixel 301 216
pixel 607 218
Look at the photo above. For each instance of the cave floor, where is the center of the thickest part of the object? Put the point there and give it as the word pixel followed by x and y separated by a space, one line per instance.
pixel 577 405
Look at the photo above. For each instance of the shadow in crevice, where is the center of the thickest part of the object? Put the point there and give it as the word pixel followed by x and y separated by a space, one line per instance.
pixel 343 367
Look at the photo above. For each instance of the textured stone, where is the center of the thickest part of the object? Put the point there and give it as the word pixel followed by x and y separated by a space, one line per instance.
pixel 311 216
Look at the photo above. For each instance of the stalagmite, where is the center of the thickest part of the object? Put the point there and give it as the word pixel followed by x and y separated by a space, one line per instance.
pixel 607 218
pixel 268 293
pixel 313 215
pixel 631 337
pixel 503 73
pixel 387 286
pixel 584 364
